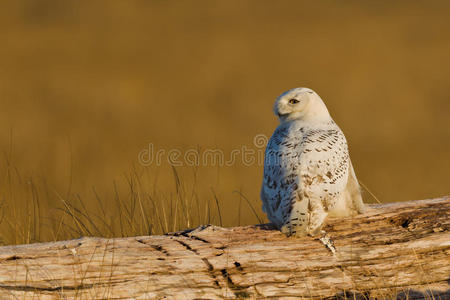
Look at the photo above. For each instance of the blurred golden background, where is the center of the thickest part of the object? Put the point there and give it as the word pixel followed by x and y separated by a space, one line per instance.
pixel 85 86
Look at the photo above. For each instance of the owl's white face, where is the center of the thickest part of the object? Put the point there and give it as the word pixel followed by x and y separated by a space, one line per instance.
pixel 300 104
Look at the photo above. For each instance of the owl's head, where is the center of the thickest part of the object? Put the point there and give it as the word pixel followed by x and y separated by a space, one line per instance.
pixel 300 104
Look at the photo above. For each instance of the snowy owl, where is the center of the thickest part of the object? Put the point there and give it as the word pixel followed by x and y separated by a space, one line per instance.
pixel 308 174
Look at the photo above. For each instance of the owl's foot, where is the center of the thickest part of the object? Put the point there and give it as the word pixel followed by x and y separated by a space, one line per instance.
pixel 328 242
pixel 286 229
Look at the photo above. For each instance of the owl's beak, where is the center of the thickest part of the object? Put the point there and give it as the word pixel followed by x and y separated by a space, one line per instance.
pixel 282 116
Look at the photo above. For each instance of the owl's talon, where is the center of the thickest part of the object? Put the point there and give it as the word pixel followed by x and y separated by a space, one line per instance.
pixel 328 242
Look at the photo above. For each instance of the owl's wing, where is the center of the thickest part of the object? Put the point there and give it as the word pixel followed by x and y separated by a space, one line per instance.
pixel 353 191
pixel 324 165
pixel 280 180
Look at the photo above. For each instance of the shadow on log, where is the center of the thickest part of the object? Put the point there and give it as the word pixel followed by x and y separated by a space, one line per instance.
pixel 396 250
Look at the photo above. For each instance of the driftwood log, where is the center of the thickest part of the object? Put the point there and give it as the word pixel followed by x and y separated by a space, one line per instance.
pixel 397 250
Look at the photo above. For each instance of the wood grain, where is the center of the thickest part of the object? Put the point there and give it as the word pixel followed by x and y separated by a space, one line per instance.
pixel 393 249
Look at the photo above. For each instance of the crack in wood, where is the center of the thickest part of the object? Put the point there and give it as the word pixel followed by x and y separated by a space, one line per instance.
pixel 209 266
pixel 198 239
pixel 211 271
pixel 188 233
pixel 187 246
pixel 238 266
pixel 29 288
pixel 222 248
pixel 158 248
pixel 61 288
pixel 14 257
pixel 238 290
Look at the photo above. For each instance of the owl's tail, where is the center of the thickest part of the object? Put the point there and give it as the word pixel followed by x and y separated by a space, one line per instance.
pixel 354 190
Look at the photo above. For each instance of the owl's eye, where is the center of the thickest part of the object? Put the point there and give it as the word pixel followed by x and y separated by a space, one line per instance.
pixel 293 101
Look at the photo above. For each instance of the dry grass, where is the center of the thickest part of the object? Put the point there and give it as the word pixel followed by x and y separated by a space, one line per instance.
pixel 85 86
